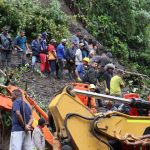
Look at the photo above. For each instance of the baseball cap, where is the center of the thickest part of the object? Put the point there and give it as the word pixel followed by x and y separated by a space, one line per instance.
pixel 81 44
pixel 53 40
pixel 110 65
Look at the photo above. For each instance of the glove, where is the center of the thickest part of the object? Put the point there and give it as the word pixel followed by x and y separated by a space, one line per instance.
pixel 79 79
pixel 107 91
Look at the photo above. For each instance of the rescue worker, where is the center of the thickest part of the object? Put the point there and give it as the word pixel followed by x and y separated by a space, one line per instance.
pixel 5 48
pixel 81 69
pixel 37 136
pixel 91 101
pixel 116 84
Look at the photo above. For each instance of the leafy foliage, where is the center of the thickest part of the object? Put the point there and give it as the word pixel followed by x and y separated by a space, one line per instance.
pixel 123 26
pixel 34 18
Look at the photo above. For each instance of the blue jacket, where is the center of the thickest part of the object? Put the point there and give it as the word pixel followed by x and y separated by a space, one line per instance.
pixel 44 46
pixel 36 47
pixel 60 51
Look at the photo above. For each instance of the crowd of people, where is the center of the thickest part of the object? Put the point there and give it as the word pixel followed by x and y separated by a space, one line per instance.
pixel 80 57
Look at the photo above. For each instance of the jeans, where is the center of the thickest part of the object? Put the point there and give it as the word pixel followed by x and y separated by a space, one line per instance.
pixel 34 59
pixel 52 64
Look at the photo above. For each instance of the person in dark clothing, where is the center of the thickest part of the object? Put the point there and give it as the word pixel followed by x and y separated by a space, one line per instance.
pixel 5 48
pixel 91 74
pixel 60 50
pixel 70 60
pixel 36 49
pixel 21 123
pixel 44 65
pixel 108 74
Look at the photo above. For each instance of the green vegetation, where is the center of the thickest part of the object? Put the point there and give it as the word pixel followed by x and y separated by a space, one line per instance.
pixel 123 26
pixel 34 17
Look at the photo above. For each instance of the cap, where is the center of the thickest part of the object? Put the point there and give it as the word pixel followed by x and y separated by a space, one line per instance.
pixel 53 40
pixel 92 86
pixel 86 59
pixel 64 40
pixel 81 44
pixel 111 66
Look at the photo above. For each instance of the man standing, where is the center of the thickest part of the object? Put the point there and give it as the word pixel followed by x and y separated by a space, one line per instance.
pixel 44 65
pixel 70 56
pixel 5 48
pixel 116 84
pixel 78 54
pixel 22 47
pixel 21 123
pixel 52 57
pixel 108 74
pixel 60 57
pixel 36 49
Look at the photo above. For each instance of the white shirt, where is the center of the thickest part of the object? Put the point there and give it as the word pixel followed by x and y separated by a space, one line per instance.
pixel 78 57
pixel 38 139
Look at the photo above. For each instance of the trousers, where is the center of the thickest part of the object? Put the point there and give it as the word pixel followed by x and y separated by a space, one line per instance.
pixel 20 140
